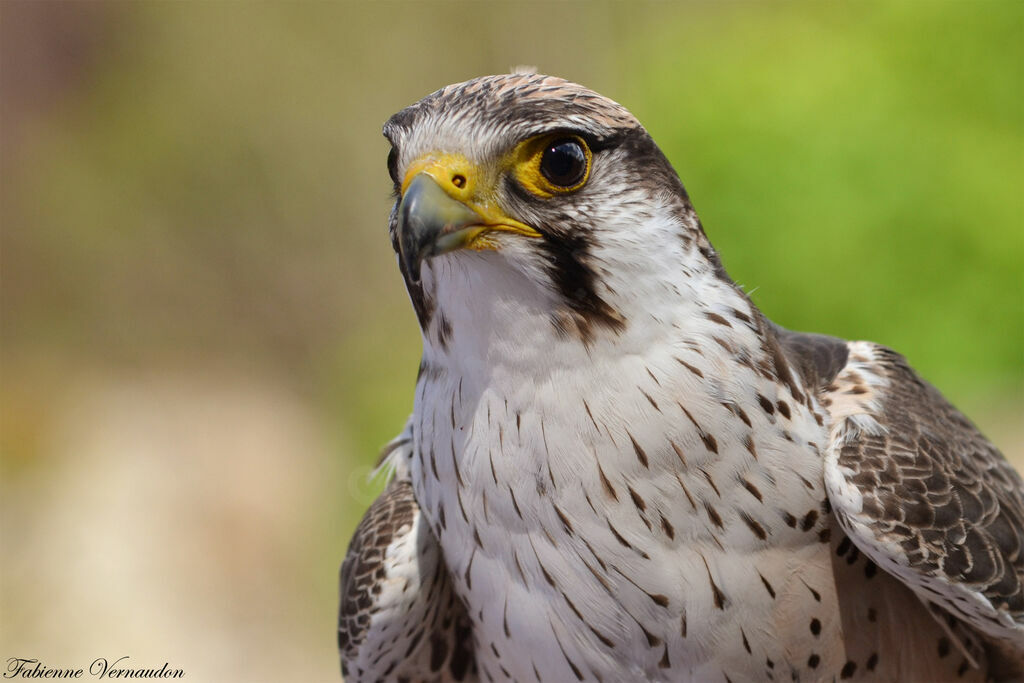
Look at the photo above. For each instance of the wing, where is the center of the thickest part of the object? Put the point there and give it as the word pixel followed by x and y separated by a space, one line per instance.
pixel 920 491
pixel 399 618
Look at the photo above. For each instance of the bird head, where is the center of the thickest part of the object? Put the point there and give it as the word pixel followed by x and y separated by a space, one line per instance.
pixel 536 196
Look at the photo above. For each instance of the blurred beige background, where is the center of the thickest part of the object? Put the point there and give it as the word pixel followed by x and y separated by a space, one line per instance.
pixel 204 336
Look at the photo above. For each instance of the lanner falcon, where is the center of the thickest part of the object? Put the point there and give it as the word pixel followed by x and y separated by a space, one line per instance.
pixel 618 469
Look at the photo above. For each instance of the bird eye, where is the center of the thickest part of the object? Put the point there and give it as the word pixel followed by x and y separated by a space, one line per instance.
pixel 393 165
pixel 552 164
pixel 564 162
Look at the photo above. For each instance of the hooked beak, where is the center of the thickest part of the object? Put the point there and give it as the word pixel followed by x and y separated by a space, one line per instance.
pixel 430 222
pixel 449 203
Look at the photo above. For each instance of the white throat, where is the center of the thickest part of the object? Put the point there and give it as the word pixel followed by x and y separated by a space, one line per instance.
pixel 517 420
pixel 500 310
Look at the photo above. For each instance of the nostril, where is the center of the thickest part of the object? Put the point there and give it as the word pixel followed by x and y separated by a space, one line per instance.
pixel 459 181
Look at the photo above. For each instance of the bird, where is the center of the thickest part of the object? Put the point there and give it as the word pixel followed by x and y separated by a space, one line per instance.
pixel 618 469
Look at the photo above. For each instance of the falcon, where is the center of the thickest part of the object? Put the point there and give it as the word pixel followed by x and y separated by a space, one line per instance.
pixel 618 469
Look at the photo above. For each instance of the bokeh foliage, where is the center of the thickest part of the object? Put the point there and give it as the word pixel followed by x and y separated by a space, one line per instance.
pixel 864 173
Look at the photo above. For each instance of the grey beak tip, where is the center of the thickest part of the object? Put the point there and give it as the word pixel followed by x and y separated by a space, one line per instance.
pixel 425 214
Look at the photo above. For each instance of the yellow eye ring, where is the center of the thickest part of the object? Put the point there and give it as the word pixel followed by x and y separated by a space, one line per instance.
pixel 553 164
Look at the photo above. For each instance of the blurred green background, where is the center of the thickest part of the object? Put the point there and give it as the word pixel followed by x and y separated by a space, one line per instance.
pixel 205 338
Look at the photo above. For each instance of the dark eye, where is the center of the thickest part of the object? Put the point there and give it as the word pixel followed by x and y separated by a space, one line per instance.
pixel 564 162
pixel 393 165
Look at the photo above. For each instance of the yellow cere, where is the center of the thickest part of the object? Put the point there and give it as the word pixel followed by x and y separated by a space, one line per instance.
pixel 474 186
pixel 446 169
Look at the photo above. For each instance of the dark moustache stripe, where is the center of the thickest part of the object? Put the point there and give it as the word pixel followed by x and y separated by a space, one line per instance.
pixel 567 253
pixel 568 258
